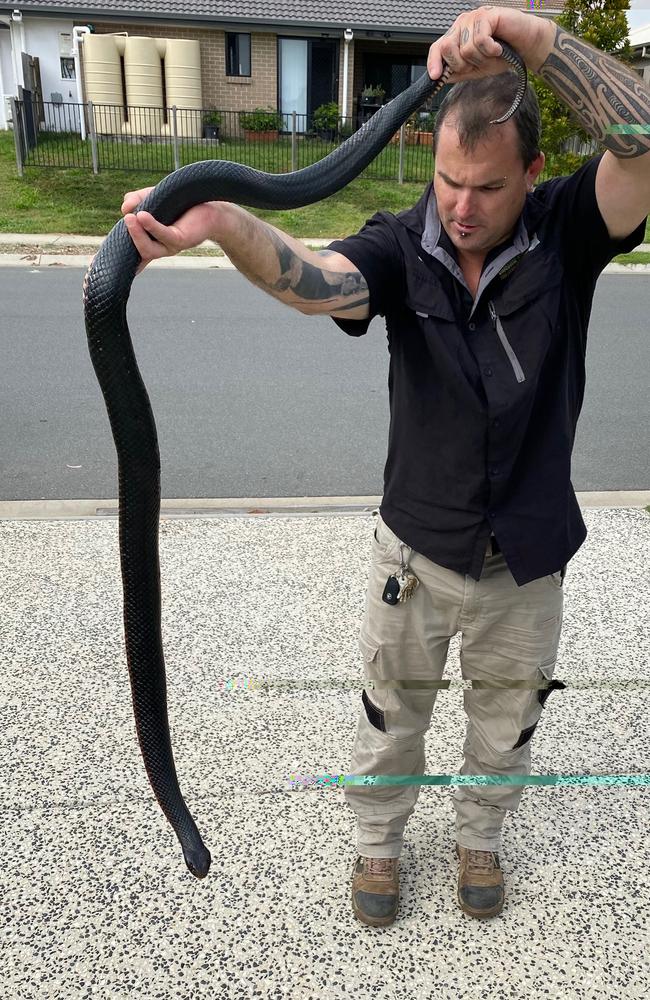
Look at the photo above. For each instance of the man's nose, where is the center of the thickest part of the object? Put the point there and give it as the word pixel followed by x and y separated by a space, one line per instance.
pixel 465 203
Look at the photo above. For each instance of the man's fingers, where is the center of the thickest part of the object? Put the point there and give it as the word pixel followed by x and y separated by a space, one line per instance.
pixel 148 248
pixel 133 198
pixel 164 234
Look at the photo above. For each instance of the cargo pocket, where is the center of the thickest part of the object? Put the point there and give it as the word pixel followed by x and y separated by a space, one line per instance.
pixel 545 677
pixel 376 716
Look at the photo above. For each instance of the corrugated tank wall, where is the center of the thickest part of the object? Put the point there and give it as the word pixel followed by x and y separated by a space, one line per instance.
pixel 148 75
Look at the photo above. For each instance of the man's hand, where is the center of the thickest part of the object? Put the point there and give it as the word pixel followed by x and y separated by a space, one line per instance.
pixel 153 240
pixel 469 47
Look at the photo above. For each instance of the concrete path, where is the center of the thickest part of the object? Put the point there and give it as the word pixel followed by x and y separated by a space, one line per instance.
pixel 95 899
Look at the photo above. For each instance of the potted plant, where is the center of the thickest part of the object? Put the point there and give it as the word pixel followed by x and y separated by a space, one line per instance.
pixel 261 124
pixel 211 123
pixel 424 132
pixel 326 120
pixel 372 96
pixel 410 131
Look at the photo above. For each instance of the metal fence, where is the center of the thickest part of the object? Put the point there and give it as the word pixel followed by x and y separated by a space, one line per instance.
pixel 114 137
pixel 158 140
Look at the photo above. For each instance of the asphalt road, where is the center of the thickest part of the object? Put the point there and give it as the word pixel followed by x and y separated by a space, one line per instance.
pixel 253 399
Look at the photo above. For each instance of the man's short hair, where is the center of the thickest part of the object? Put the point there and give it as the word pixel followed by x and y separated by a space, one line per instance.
pixel 475 102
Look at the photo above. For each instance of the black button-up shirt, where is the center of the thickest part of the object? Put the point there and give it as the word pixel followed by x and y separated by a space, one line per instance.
pixel 485 392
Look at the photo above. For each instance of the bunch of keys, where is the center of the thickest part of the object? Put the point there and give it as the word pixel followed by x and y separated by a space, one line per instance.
pixel 401 586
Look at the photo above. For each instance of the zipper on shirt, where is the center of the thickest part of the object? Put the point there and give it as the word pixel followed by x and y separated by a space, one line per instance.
pixel 518 370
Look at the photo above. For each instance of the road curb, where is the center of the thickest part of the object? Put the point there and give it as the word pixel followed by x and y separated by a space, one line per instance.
pixel 53 510
pixel 44 259
pixel 51 260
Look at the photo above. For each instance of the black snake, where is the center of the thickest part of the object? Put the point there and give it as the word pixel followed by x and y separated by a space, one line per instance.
pixel 106 290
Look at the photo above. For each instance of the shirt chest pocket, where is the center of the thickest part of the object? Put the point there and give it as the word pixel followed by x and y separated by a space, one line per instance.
pixel 524 317
pixel 427 300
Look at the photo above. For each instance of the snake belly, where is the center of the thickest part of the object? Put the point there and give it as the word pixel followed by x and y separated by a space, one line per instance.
pixel 107 285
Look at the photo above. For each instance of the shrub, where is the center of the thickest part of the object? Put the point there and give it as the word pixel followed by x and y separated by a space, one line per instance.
pixel 327 116
pixel 261 120
pixel 427 122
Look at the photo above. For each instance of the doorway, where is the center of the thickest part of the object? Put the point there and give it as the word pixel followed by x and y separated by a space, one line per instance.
pixel 308 76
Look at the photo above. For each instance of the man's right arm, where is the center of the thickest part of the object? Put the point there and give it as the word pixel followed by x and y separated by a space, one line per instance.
pixel 314 282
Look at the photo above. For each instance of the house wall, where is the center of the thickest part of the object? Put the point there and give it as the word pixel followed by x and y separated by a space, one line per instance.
pixel 6 76
pixel 219 91
pixel 42 40
pixel 642 66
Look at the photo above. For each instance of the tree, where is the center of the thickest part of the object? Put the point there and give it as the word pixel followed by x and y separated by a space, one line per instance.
pixel 603 24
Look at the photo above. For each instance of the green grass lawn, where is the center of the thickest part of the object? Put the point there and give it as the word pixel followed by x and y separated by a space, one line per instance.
pixel 58 200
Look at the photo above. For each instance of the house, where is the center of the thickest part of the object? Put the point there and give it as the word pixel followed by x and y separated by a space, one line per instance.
pixel 292 55
pixel 640 45
pixel 285 53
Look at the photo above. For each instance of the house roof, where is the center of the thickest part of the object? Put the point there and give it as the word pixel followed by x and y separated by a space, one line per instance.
pixel 420 16
pixel 640 36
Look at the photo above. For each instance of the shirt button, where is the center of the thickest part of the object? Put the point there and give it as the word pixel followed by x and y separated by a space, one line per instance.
pixel 487 371
pixel 496 423
pixel 491 513
pixel 494 472
pixel 472 326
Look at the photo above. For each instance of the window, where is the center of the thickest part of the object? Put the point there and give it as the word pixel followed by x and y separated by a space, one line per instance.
pixel 67 69
pixel 238 54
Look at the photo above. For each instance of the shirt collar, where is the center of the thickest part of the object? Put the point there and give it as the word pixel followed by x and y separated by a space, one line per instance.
pixel 423 219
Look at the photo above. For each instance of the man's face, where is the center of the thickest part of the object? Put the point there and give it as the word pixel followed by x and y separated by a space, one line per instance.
pixel 481 193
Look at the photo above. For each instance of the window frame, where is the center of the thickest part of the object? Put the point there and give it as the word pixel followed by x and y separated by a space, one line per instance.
pixel 237 34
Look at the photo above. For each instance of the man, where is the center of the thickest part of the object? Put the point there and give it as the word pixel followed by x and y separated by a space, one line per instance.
pixel 486 285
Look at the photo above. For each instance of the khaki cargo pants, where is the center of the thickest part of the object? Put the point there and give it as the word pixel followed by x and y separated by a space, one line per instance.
pixel 507 633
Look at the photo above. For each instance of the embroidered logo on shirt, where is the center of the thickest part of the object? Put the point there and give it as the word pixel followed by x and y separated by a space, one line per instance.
pixel 510 266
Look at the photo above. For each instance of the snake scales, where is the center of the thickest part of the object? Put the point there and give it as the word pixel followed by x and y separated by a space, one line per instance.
pixel 106 290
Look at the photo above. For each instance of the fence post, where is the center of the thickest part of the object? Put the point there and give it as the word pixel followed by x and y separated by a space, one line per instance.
pixel 400 171
pixel 177 161
pixel 294 142
pixel 17 140
pixel 93 137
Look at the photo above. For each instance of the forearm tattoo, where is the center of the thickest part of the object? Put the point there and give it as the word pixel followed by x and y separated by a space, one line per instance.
pixel 600 91
pixel 307 282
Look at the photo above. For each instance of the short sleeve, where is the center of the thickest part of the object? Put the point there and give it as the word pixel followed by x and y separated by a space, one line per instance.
pixel 586 243
pixel 376 252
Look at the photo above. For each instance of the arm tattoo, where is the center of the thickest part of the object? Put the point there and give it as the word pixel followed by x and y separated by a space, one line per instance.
pixel 308 282
pixel 600 91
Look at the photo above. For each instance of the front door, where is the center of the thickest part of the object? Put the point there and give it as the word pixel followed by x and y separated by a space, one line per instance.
pixel 307 77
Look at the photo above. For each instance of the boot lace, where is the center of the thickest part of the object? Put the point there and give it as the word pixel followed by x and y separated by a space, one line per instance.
pixel 379 866
pixel 481 861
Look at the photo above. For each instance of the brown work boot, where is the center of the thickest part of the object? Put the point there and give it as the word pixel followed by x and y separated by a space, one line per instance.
pixel 480 882
pixel 375 890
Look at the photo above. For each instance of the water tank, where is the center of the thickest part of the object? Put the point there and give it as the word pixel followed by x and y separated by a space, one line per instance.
pixel 103 82
pixel 183 84
pixel 143 76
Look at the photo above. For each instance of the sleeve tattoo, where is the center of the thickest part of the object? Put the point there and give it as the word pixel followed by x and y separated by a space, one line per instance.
pixel 601 92
pixel 307 281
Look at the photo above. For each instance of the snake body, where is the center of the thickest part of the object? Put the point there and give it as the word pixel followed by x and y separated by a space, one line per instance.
pixel 106 290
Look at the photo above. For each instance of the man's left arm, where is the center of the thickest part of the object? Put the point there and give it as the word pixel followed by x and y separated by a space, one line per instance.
pixel 604 93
